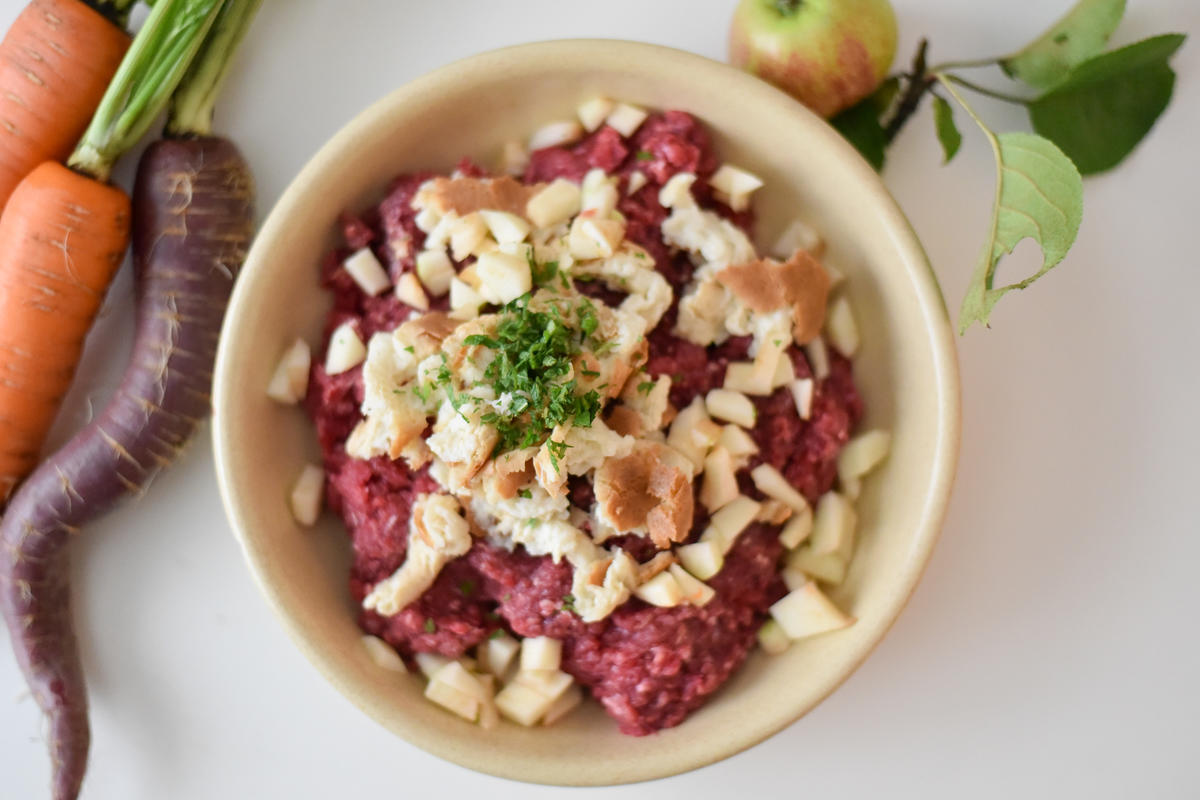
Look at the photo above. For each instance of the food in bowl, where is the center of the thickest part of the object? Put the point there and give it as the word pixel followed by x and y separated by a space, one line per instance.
pixel 582 434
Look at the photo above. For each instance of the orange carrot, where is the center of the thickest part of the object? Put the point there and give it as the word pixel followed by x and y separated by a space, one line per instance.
pixel 55 63
pixel 64 232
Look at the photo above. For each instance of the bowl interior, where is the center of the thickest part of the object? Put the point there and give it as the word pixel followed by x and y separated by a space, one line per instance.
pixel 906 372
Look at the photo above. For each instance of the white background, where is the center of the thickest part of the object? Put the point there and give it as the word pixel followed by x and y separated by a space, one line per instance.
pixel 1051 650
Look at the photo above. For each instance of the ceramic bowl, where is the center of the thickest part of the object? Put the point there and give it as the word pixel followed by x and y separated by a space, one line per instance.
pixel 906 371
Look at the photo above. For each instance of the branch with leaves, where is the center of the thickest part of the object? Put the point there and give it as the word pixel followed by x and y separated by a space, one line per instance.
pixel 1088 108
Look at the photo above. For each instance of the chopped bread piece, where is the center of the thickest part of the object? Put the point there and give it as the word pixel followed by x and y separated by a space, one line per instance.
pixel 766 285
pixel 463 196
pixel 646 490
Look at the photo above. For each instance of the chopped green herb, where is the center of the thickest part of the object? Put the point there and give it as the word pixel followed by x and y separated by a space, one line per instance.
pixel 645 387
pixel 533 522
pixel 410 349
pixel 506 598
pixel 568 602
pixel 644 155
pixel 492 616
pixel 466 588
pixel 526 494
pixel 589 373
pixel 496 634
pixel 430 625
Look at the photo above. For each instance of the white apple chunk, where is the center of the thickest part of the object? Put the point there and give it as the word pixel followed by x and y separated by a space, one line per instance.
pixel 772 639
pixel 637 180
pixel 456 675
pixel 540 653
pixel 451 699
pixel 346 350
pixel 307 494
pixel 793 578
pixel 383 655
pixel 706 433
pixel 826 567
pixel 554 134
pixel 731 406
pixel 626 119
pixel 567 702
pixel 466 235
pixel 289 382
pixel 695 591
pixel 728 523
pixel 862 454
pixel 427 220
pixel 465 301
pixel 702 559
pixel 435 271
pixel 785 372
pixel 410 292
pixel 557 202
pixel 497 654
pixel 662 590
pixel 592 113
pixel 834 526
pixel 514 158
pixel 680 435
pixel 841 328
pixel 798 236
pixel 797 530
pixel 367 272
pixel 771 482
pixel 592 237
pixel 521 704
pixel 720 482
pixel 735 185
pixel 430 664
pixel 489 717
pixel 817 354
pixel 505 228
pixel 747 378
pixel 598 193
pixel 550 684
pixel 503 278
pixel 808 612
pixel 739 443
pixel 851 487
pixel 677 192
pixel 802 394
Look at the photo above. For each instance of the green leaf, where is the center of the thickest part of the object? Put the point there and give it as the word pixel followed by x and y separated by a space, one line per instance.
pixel 1039 196
pixel 947 131
pixel 1078 36
pixel 1107 104
pixel 860 126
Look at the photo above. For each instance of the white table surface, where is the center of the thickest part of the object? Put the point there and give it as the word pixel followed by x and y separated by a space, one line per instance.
pixel 1051 650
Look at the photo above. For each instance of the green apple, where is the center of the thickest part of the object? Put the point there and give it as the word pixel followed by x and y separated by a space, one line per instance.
pixel 828 54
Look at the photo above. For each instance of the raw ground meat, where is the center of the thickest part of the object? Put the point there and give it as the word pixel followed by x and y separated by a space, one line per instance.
pixel 649 667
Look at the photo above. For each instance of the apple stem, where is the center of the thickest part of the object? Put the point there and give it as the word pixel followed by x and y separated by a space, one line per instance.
pixel 919 82
pixel 787 8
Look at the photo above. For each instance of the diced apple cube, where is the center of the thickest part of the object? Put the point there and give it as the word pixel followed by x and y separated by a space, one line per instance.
pixel 731 406
pixel 798 236
pixel 680 435
pixel 521 704
pixel 435 271
pixel 555 134
pixel 736 184
pixel 505 227
pixel 465 301
pixel 771 482
pixel 825 567
pixel 862 454
pixel 745 377
pixel 703 559
pixel 798 529
pixel 802 394
pixel 662 590
pixel 367 272
pixel 706 433
pixel 289 382
pixel 346 350
pixel 677 192
pixel 453 700
pixel 841 327
pixel 383 654
pixel 548 683
pixel 637 181
pixel 598 193
pixel 540 653
pixel 834 526
pixel 592 113
pixel 737 441
pixel 307 493
pixel 427 220
pixel 439 237
pixel 851 487
pixel 727 523
pixel 793 578
pixel 808 612
pixel 489 717
pixel 626 119
pixel 774 512
pixel 720 483
pixel 695 591
pixel 430 664
pixel 458 677
pixel 785 372
pixel 503 278
pixel 557 202
pixel 592 238
pixel 410 292
pixel 514 158
pixel 772 639
pixel 496 655
pixel 818 358
pixel 567 702
pixel 467 235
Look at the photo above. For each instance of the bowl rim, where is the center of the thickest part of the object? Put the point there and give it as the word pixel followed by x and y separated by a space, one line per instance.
pixel 933 312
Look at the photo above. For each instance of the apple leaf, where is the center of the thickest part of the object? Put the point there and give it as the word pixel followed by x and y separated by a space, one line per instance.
pixel 1108 104
pixel 860 126
pixel 947 132
pixel 1039 196
pixel 1078 36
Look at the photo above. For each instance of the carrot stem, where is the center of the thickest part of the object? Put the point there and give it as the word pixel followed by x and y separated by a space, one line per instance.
pixel 191 109
pixel 115 11
pixel 156 62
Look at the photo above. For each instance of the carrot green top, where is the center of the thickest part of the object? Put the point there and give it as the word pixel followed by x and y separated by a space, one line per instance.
pixel 192 106
pixel 115 11
pixel 160 54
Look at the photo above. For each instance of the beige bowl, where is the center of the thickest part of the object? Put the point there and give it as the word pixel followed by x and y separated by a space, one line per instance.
pixel 906 370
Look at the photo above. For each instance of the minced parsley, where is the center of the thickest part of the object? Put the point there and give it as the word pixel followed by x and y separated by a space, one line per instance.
pixel 430 625
pixel 534 353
